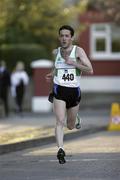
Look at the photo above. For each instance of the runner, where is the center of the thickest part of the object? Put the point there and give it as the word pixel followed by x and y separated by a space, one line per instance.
pixel 70 62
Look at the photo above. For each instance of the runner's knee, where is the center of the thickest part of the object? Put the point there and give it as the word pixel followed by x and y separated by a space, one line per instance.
pixel 60 122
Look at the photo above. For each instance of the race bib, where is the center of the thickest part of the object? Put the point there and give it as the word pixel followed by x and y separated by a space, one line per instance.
pixel 67 76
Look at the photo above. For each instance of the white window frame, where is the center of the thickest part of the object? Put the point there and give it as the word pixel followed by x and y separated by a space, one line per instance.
pixel 102 55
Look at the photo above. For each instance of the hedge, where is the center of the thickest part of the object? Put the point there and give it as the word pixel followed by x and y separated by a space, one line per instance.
pixel 22 52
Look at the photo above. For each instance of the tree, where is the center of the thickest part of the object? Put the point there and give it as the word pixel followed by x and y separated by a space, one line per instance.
pixel 36 21
pixel 111 8
pixel 25 24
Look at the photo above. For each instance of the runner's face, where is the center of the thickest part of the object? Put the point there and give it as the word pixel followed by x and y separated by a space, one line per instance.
pixel 65 38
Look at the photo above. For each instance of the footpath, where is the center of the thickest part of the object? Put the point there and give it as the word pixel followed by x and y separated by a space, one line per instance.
pixel 19 132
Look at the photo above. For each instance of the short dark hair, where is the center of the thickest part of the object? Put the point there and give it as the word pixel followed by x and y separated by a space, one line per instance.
pixel 68 28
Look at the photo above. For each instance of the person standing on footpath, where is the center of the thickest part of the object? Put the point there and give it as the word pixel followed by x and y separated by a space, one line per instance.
pixel 19 81
pixel 4 86
pixel 70 62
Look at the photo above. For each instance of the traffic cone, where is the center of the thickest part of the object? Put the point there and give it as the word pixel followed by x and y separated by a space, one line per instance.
pixel 114 124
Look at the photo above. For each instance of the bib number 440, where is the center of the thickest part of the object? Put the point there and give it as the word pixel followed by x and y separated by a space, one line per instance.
pixel 68 77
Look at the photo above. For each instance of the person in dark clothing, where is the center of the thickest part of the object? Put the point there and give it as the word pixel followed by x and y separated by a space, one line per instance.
pixel 4 86
pixel 20 90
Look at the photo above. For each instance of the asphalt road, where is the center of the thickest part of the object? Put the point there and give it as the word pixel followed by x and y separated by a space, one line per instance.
pixel 93 157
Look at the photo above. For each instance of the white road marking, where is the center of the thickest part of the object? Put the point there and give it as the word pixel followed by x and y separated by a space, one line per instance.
pixel 78 160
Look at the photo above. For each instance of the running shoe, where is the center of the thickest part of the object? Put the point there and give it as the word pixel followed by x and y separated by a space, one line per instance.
pixel 78 124
pixel 61 156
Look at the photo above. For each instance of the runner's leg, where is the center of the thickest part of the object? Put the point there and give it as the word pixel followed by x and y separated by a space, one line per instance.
pixel 71 116
pixel 60 112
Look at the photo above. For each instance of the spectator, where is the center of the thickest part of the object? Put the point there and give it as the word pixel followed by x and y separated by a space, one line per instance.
pixel 4 86
pixel 19 81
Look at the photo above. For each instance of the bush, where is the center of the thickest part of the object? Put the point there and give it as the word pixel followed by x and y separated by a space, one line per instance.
pixel 21 52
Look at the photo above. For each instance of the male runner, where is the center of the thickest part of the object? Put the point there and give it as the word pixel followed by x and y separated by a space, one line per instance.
pixel 70 62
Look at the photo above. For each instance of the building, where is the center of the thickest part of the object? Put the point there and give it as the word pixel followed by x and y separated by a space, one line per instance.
pixel 101 40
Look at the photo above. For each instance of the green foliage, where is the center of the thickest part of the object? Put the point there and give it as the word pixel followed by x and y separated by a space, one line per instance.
pixel 27 22
pixel 22 52
pixel 34 21
pixel 28 29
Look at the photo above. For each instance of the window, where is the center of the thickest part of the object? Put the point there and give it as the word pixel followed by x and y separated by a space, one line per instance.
pixel 105 41
pixel 115 35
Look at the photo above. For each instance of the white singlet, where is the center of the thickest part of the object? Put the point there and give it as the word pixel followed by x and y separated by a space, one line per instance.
pixel 66 75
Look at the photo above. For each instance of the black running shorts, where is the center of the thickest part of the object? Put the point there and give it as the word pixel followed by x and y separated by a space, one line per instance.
pixel 71 96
